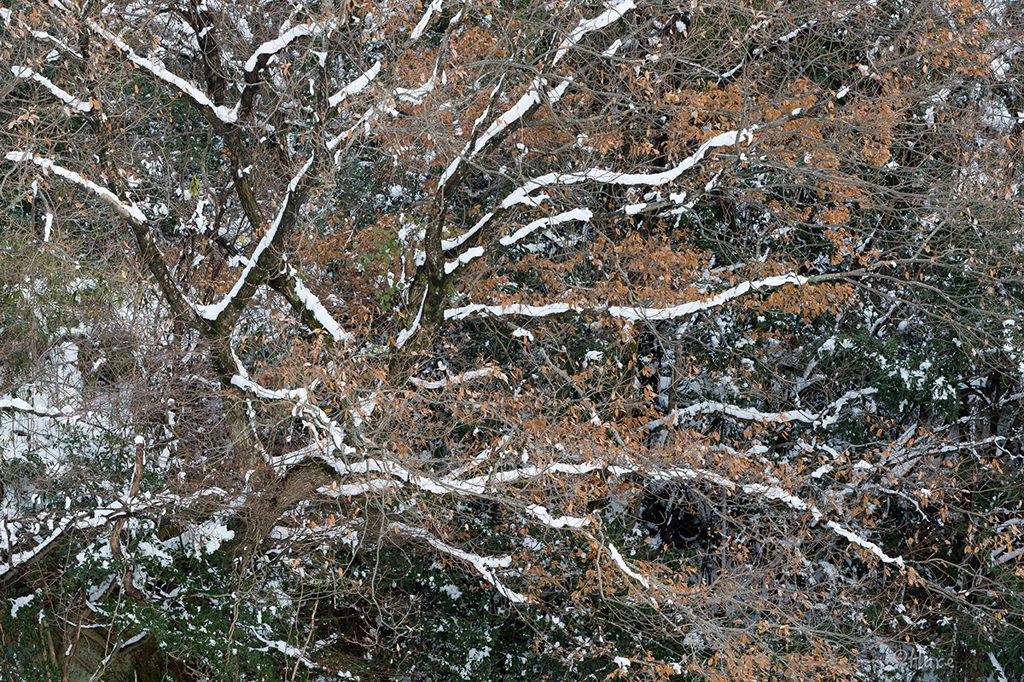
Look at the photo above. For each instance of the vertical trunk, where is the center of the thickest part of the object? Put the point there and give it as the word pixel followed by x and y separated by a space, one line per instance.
pixel 245 443
pixel 425 306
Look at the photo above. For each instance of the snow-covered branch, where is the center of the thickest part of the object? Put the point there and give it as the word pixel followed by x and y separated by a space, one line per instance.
pixel 624 567
pixel 541 513
pixel 825 418
pixel 459 378
pixel 556 179
pixel 758 52
pixel 286 649
pixel 264 52
pixel 614 12
pixel 19 405
pixel 479 485
pixel 356 86
pixel 198 97
pixel 125 208
pixel 406 334
pixel 252 267
pixel 580 214
pixel 485 566
pixel 295 291
pixel 515 115
pixel 59 93
pixel 632 314
pixel 433 8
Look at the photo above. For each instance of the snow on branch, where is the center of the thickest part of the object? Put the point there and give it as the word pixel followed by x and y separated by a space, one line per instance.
pixel 126 209
pixel 415 96
pixel 17 404
pixel 406 334
pixel 212 312
pixel 356 86
pixel 533 97
pixel 631 314
pixel 135 218
pixel 482 457
pixel 861 541
pixel 581 214
pixel 774 493
pixel 825 418
pixel 72 522
pixel 157 70
pixel 541 513
pixel 61 94
pixel 537 93
pixel 624 567
pixel 272 47
pixel 758 52
pixel 459 378
pixel 298 395
pixel 62 47
pixel 636 314
pixel 513 115
pixel 511 309
pixel 756 489
pixel 301 406
pixel 466 257
pixel 609 16
pixel 21 558
pixel 401 476
pixel 311 303
pixel 750 414
pixel 484 565
pixel 421 26
pixel 523 194
pixel 285 648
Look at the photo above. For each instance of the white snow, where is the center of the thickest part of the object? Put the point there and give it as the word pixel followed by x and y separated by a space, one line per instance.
pixel 581 214
pixel 416 96
pixel 356 86
pixel 274 46
pixel 523 334
pixel 866 544
pixel 464 258
pixel 484 565
pixel 522 195
pixel 631 314
pixel 406 334
pixel 636 314
pixel 624 567
pixel 532 98
pixel 211 534
pixel 320 313
pixel 126 209
pixel 609 16
pixel 224 114
pixel 212 312
pixel 62 95
pixel 424 21
pixel 541 514
pixel 511 309
pixel 459 378
pixel 18 603
pixel 612 49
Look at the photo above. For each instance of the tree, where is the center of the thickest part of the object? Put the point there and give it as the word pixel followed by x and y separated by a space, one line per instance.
pixel 487 340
